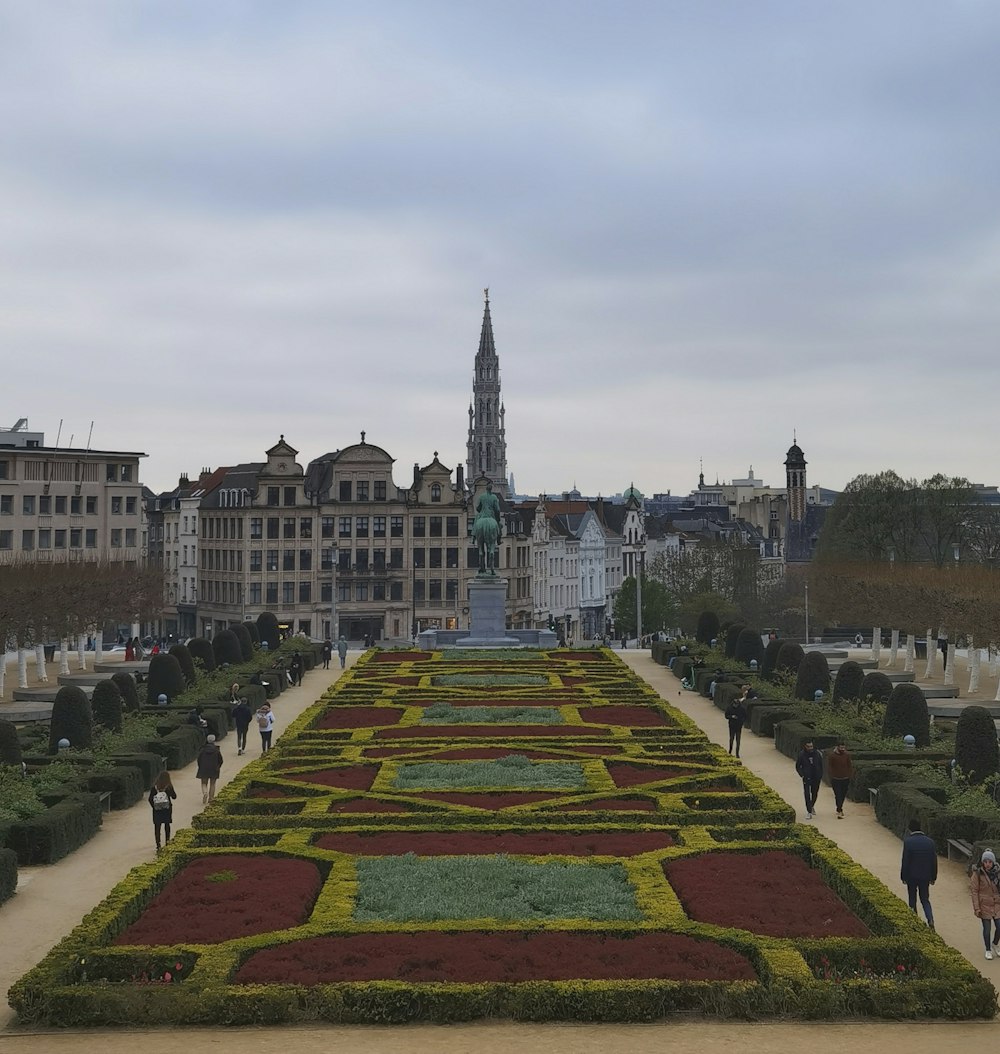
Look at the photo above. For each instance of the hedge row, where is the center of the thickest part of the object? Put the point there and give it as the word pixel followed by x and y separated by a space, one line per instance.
pixel 55 833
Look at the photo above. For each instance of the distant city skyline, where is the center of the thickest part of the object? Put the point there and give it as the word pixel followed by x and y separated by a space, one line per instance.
pixel 702 226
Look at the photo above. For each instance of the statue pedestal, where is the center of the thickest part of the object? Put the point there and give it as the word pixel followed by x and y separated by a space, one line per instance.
pixel 488 615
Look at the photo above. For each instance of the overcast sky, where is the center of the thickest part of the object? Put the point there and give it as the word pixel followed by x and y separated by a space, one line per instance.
pixel 703 225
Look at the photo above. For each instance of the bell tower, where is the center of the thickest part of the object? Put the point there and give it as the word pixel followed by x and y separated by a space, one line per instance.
pixel 487 444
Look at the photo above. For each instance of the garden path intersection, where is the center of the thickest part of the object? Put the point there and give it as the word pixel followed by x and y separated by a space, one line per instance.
pixel 40 914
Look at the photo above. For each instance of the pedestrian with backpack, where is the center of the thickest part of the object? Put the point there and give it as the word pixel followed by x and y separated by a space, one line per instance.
pixel 242 716
pixel 265 725
pixel 161 801
pixel 209 769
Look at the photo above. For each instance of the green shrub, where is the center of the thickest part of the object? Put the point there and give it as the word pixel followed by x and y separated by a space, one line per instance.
pixel 180 747
pixel 906 714
pixel 181 653
pixel 790 735
pixel 267 628
pixel 898 803
pixel 128 690
pixel 749 648
pixel 165 678
pixel 10 745
pixel 708 627
pixel 246 644
pixel 125 783
pixel 56 832
pixel 148 762
pixel 251 627
pixel 770 657
pixel 202 651
pixel 227 648
pixel 8 874
pixel 976 750
pixel 18 797
pixel 71 719
pixel 877 687
pixel 732 636
pixel 764 719
pixel 106 704
pixel 848 683
pixel 813 676
pixel 789 658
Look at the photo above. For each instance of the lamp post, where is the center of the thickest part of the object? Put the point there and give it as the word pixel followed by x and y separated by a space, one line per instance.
pixel 334 628
pixel 807 612
pixel 638 596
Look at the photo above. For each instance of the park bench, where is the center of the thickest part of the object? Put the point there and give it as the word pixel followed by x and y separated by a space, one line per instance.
pixel 960 850
pixel 872 796
pixel 105 799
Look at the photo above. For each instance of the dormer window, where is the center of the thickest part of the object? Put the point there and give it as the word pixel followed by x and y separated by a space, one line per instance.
pixel 436 492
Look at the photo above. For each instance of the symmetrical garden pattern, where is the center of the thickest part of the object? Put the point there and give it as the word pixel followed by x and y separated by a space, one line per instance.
pixel 530 834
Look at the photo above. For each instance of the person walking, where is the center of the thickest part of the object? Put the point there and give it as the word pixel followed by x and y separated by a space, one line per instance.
pixel 984 885
pixel 918 870
pixel 736 715
pixel 295 669
pixel 342 650
pixel 209 767
pixel 161 800
pixel 242 716
pixel 841 769
pixel 265 725
pixel 809 766
pixel 327 653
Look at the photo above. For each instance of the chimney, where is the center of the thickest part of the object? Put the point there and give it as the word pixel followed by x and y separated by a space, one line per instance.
pixel 460 479
pixel 416 472
pixel 183 481
pixel 600 508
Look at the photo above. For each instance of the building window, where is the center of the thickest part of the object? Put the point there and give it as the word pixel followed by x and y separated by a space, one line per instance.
pixel 435 531
pixel 4 470
pixel 76 537
pixel 256 528
pixel 288 527
pixel 362 490
pixel 419 558
pixel 7 504
pixel 378 526
pixel 361 591
pixel 344 560
pixel 255 592
pixel 361 559
pixel 288 560
pixel 326 593
pixel 271 592
pixel 116 506
pixel 305 592
pixel 28 504
pixel 287 593
pixel 45 506
pixel 289 495
pixel 326 527
pixel 272 559
pixel 27 539
pixel 451 589
pixel 380 490
pixel 345 490
pixel 129 537
pixel 419 527
pixel 396 558
pixel 111 473
pixel 326 559
pixel 273 525
pixel 361 527
pixel 45 538
pixel 378 590
pixel 451 526
pixel 435 589
pixel 434 557
pixel 378 559
pixel 395 590
pixel 396 526
pixel 61 505
pixel 451 557
pixel 419 590
pixel 6 539
pixel 305 527
pixel 116 538
pixel 436 492
pixel 126 476
pixel 91 505
pixel 255 559
pixel 90 537
pixel 130 508
pixel 343 592
pixel 60 540
pixel 305 559
pixel 345 526
pixel 272 495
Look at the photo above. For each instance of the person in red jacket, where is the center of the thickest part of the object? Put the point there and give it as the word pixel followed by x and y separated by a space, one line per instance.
pixel 841 769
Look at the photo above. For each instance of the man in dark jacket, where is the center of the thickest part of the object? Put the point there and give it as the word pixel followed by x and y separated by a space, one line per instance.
pixel 919 869
pixel 242 716
pixel 809 766
pixel 736 715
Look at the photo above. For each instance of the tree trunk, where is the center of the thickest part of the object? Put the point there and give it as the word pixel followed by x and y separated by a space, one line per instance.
pixel 64 657
pixel 973 668
pixel 99 646
pixel 931 644
pixel 3 666
pixel 876 644
pixel 41 674
pixel 911 652
pixel 894 646
pixel 949 669
pixel 81 650
pixel 22 667
pixel 135 630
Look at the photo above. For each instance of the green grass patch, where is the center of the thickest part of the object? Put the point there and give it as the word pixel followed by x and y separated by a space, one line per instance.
pixel 515 770
pixel 446 714
pixel 487 680
pixel 494 654
pixel 434 889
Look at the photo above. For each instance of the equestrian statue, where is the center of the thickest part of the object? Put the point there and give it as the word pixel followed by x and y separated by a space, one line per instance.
pixel 486 531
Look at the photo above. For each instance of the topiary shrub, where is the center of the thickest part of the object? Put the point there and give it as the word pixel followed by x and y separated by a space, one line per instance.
pixel 10 745
pixel 976 749
pixel 749 647
pixel 877 687
pixel 708 627
pixel 813 676
pixel 106 704
pixel 790 656
pixel 770 657
pixel 906 715
pixel 267 628
pixel 128 691
pixel 732 636
pixel 165 678
pixel 183 656
pixel 848 682
pixel 202 651
pixel 71 719
pixel 246 644
pixel 227 648
pixel 251 627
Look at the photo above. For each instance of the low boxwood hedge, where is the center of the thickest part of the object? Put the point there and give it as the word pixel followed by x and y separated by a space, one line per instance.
pixel 8 874
pixel 55 833
pixel 898 803
pixel 789 737
pixel 764 719
pixel 148 762
pixel 124 782
pixel 181 746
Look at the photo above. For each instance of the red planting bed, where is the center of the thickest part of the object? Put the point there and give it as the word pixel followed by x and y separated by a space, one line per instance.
pixel 627 716
pixel 488 731
pixel 487 801
pixel 775 894
pixel 626 775
pixel 358 777
pixel 267 792
pixel 476 843
pixel 220 897
pixel 402 656
pixel 612 805
pixel 579 656
pixel 481 957
pixel 491 753
pixel 369 805
pixel 359 717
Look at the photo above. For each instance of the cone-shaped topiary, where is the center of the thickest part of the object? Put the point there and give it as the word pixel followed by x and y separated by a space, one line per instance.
pixel 976 749
pixel 106 704
pixel 877 687
pixel 251 628
pixel 71 719
pixel 708 627
pixel 771 657
pixel 243 638
pixel 128 691
pixel 267 627
pixel 10 745
pixel 906 715
pixel 227 648
pixel 790 656
pixel 749 647
pixel 813 676
pixel 202 651
pixel 732 636
pixel 165 678
pixel 183 656
pixel 847 684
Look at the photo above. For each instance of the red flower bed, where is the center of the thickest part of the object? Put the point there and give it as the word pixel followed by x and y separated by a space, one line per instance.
pixel 359 717
pixel 626 775
pixel 401 656
pixel 477 957
pixel 267 792
pixel 492 802
pixel 476 843
pixel 491 753
pixel 501 701
pixel 218 898
pixel 613 805
pixel 358 777
pixel 369 805
pixel 627 716
pixel 775 894
pixel 488 731
pixel 579 656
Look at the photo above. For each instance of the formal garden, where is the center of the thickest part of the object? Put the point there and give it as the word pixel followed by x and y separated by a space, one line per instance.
pixel 535 835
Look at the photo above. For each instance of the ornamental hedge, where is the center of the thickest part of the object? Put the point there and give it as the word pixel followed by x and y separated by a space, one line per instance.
pixel 708 627
pixel 106 704
pixel 732 636
pixel 71 719
pixel 749 647
pixel 976 748
pixel 245 642
pixel 165 678
pixel 181 653
pixel 253 633
pixel 202 651
pixel 227 648
pixel 790 656
pixel 128 690
pixel 770 657
pixel 906 714
pixel 10 745
pixel 813 676
pixel 8 874
pixel 267 629
pixel 876 687
pixel 847 685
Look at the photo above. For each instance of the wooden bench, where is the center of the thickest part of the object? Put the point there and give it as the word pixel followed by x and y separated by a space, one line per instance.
pixel 872 796
pixel 959 850
pixel 104 797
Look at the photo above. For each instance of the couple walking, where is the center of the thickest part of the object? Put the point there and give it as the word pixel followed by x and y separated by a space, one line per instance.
pixel 809 766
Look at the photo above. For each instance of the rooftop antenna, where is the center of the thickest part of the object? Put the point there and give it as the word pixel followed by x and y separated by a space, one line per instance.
pixel 59 433
pixel 89 435
pixel 71 438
